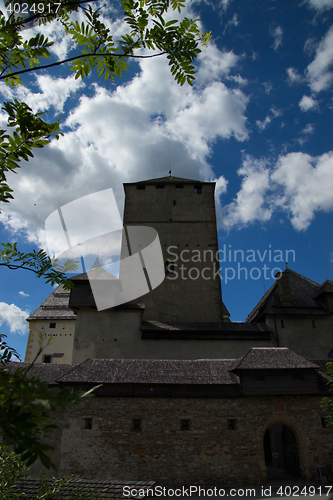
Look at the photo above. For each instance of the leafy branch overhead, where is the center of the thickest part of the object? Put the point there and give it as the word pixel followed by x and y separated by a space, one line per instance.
pixel 179 40
pixel 39 263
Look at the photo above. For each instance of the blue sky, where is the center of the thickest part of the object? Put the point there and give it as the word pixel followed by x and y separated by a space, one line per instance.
pixel 258 121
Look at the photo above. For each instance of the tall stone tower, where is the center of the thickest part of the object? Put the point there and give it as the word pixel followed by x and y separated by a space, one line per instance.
pixel 183 213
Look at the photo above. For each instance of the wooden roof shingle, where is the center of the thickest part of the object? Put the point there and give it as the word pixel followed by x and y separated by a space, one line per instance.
pixel 54 307
pixel 272 358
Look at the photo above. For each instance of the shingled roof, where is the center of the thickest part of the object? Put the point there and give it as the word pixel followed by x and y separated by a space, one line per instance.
pixel 54 307
pixel 103 490
pixel 156 371
pixel 177 378
pixel 47 372
pixel 292 293
pixel 274 358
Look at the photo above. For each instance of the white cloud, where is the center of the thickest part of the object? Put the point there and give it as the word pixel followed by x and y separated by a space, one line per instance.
pixel 277 34
pixel 54 92
pixel 318 71
pixel 225 4
pixel 297 184
pixel 220 189
pixel 214 64
pixel 294 77
pixel 307 103
pixel 307 184
pixel 250 204
pixel 24 294
pixel 217 112
pixel 309 129
pixel 14 317
pixel 321 4
pixel 232 22
pixel 263 124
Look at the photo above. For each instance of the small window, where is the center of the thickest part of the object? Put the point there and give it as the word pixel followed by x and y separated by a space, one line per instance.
pixel 136 424
pixel 140 186
pixel 87 423
pixel 47 358
pixel 313 324
pixel 232 424
pixel 198 187
pixel 52 325
pixel 324 422
pixel 282 324
pixel 185 424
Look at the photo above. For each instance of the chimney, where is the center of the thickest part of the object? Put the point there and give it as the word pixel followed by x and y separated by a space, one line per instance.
pixel 284 288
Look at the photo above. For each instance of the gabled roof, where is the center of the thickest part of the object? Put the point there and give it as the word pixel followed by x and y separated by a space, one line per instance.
pixel 273 358
pixel 167 180
pixel 326 287
pixel 292 293
pixel 54 307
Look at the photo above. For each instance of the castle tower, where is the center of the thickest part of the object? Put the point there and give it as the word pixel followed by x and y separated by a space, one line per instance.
pixel 183 213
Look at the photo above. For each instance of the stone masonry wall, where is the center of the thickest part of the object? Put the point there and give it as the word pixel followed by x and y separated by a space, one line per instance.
pixel 209 453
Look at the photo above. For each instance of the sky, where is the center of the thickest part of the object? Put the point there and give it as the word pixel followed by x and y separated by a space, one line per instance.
pixel 258 122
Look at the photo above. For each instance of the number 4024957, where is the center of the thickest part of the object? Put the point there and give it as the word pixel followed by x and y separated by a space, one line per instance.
pixel 36 8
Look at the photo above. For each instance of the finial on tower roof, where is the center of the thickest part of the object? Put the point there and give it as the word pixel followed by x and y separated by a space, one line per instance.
pixel 169 173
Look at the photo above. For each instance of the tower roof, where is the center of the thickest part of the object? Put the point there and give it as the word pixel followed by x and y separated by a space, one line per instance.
pixel 54 307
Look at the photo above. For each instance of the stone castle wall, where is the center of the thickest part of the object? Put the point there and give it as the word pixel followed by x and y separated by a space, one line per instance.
pixel 223 445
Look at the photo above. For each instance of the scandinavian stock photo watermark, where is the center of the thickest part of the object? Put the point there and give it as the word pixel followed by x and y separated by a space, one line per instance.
pixel 237 264
pixel 127 260
pixel 284 491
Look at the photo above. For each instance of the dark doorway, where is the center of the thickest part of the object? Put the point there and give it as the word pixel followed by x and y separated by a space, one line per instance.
pixel 281 452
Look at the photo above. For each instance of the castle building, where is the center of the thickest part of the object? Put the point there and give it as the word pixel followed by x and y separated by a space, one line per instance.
pixel 184 317
pixel 179 383
pixel 211 423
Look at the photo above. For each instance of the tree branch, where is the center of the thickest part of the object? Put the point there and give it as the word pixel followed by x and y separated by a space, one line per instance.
pixel 28 70
pixel 16 266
